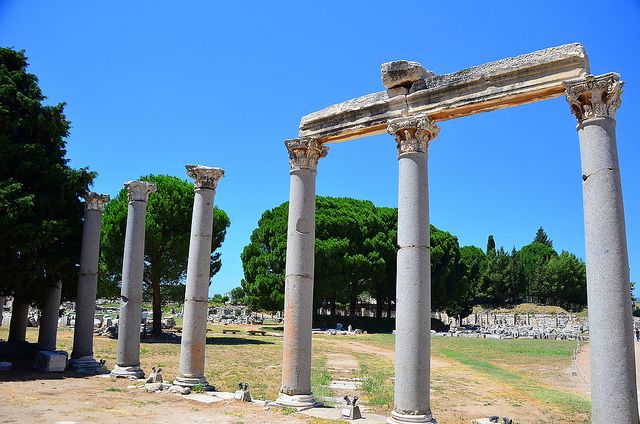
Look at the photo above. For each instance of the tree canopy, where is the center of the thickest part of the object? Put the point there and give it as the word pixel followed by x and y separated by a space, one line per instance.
pixel 168 230
pixel 355 256
pixel 41 210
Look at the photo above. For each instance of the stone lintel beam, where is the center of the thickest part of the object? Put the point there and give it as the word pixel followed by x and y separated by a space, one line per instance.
pixel 495 85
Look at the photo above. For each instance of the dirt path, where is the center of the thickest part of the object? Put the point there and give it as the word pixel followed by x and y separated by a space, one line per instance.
pixel 361 347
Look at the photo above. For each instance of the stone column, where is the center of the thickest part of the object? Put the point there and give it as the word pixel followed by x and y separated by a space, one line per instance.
pixel 413 284
pixel 298 293
pixel 82 355
pixel 128 352
pixel 48 331
pixel 18 323
pixel 594 101
pixel 196 299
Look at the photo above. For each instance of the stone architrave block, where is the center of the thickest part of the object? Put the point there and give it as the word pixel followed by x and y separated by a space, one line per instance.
pixel 403 73
pixel 50 361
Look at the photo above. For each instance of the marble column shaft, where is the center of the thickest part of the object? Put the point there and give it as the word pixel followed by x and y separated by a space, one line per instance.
pixel 128 350
pixel 48 330
pixel 82 354
pixel 298 304
pixel 18 323
pixel 413 284
pixel 194 334
pixel 594 101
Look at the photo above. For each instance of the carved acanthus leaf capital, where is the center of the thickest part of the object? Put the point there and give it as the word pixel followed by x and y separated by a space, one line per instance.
pixel 304 153
pixel 95 201
pixel 413 133
pixel 139 191
pixel 205 177
pixel 594 96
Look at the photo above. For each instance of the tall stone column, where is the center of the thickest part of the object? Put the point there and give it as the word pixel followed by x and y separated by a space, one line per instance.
pixel 19 317
pixel 196 299
pixel 128 351
pixel 594 101
pixel 413 283
pixel 298 293
pixel 48 331
pixel 82 355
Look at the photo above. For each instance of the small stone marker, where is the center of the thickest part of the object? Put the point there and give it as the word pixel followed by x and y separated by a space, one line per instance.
pixel 50 361
pixel 351 411
pixel 243 394
pixel 156 375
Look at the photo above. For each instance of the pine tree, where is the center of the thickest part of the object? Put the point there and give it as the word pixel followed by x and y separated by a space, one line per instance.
pixel 491 245
pixel 542 238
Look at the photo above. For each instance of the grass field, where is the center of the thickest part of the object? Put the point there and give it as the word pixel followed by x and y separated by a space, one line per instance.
pixel 527 380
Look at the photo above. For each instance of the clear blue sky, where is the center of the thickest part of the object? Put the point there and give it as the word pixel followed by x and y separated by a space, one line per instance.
pixel 153 85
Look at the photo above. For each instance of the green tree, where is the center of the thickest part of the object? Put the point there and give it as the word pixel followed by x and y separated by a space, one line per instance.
pixel 347 259
pixel 219 300
pixel 40 208
pixel 263 261
pixel 491 244
pixel 168 229
pixel 542 238
pixel 533 258
pixel 565 282
pixel 494 282
pixel 474 260
pixel 448 286
pixel 236 296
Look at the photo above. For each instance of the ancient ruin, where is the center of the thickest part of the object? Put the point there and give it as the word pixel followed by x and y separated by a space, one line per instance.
pixel 82 355
pixel 196 302
pixel 416 99
pixel 128 353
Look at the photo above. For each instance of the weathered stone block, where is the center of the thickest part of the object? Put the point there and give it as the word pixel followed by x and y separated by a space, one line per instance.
pixel 403 73
pixel 47 361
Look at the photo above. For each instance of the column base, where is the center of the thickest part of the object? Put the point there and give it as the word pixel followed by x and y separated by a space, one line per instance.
pixel 193 381
pixel 126 372
pixel 296 401
pixel 399 418
pixel 86 365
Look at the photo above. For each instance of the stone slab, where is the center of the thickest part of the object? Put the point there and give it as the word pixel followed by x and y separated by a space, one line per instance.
pixel 344 385
pixel 204 398
pixel 335 414
pixel 495 85
pixel 47 361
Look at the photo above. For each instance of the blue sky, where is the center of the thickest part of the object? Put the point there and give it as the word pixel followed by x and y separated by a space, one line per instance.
pixel 153 85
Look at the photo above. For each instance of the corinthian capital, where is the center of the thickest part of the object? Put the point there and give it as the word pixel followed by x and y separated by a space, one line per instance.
pixel 205 177
pixel 594 96
pixel 413 133
pixel 95 201
pixel 304 153
pixel 139 191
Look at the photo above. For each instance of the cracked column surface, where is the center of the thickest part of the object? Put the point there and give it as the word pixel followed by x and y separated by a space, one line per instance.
pixel 194 333
pixel 298 293
pixel 594 101
pixel 82 359
pixel 413 283
pixel 128 351
pixel 48 327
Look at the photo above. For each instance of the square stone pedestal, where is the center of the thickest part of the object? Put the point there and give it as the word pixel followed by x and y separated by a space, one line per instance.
pixel 50 361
